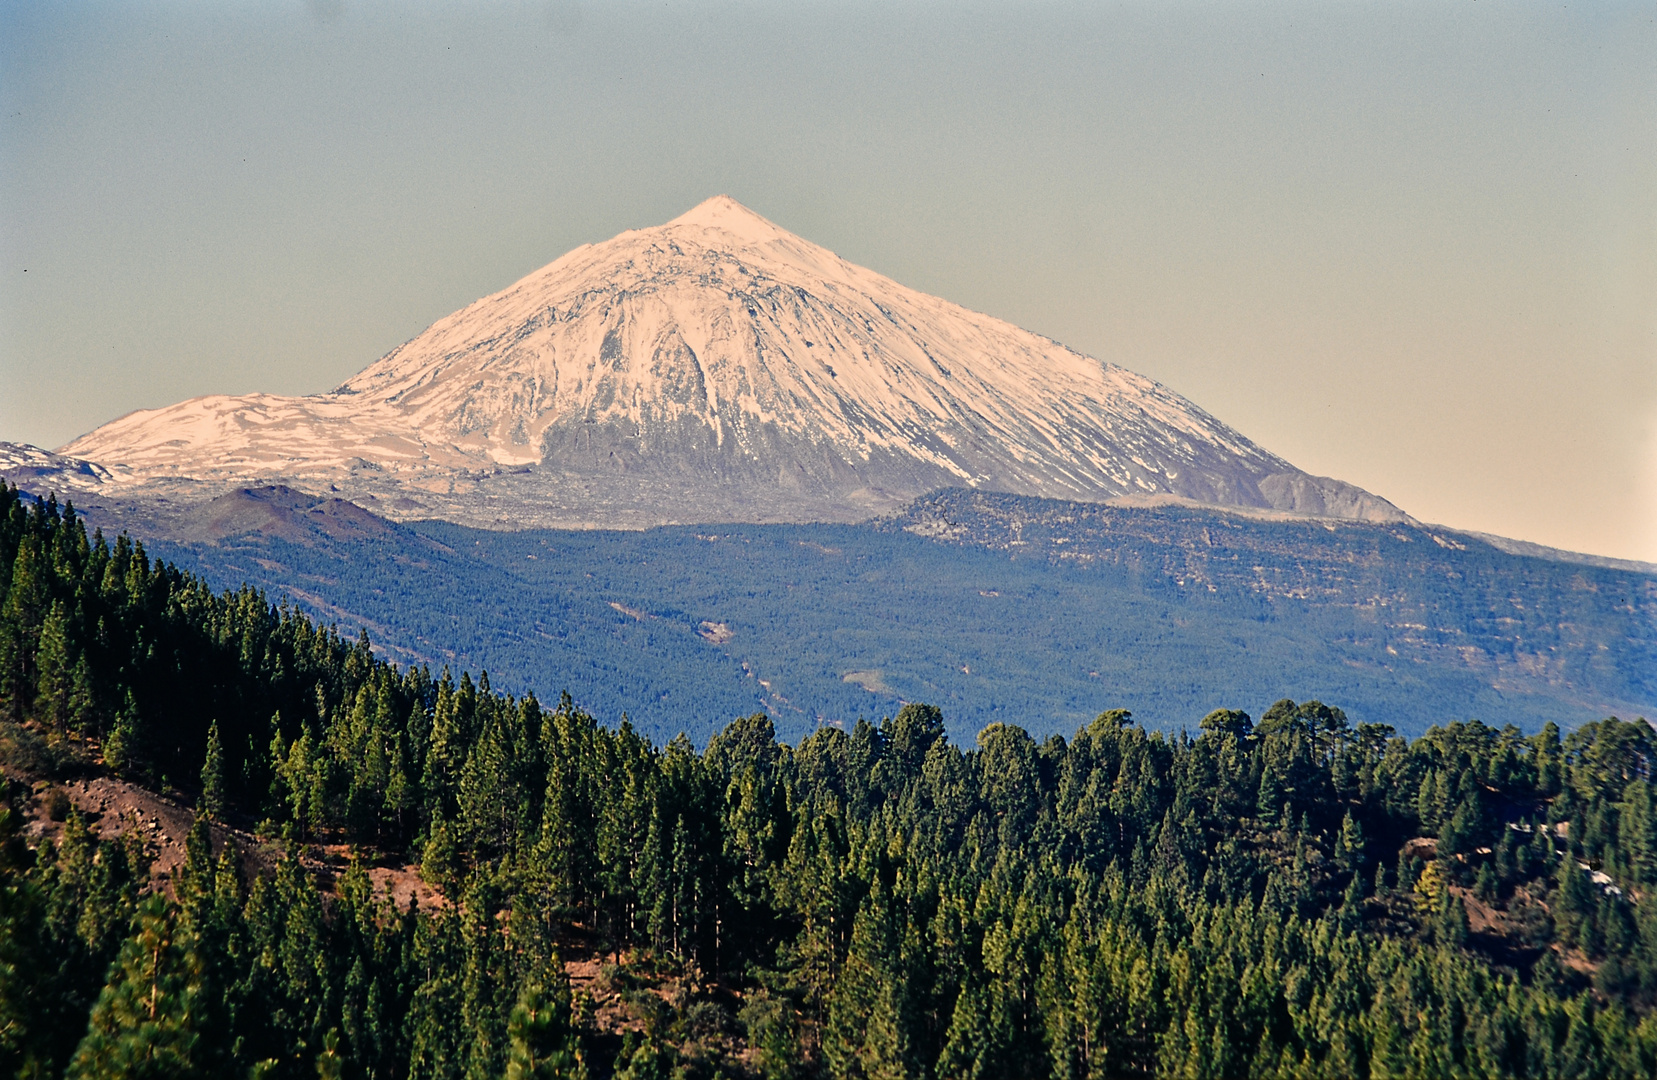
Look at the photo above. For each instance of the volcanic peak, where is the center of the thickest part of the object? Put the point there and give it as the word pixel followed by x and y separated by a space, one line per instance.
pixel 724 214
pixel 717 368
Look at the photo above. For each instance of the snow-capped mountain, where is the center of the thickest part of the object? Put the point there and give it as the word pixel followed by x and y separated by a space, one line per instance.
pixel 31 467
pixel 716 368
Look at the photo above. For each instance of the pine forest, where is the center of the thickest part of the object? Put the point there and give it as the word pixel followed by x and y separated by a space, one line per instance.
pixel 393 871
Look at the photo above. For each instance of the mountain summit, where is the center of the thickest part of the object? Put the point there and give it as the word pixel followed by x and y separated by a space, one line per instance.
pixel 716 368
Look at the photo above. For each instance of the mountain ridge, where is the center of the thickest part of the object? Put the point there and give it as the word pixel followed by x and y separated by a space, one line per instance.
pixel 45 472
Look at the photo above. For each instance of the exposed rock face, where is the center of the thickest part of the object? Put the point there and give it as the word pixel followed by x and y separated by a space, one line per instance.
pixel 716 368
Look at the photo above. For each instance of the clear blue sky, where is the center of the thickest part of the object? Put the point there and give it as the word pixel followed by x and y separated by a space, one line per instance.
pixel 1413 246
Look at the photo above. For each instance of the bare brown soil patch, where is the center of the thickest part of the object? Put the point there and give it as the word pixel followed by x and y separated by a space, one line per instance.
pixel 113 808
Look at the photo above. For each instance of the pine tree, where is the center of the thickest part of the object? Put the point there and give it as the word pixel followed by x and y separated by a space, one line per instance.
pixel 124 749
pixel 330 1064
pixel 26 601
pixel 540 1042
pixel 440 861
pixel 869 1025
pixel 25 1049
pixel 1430 890
pixel 212 776
pixel 54 670
pixel 648 1058
pixel 971 1047
pixel 145 1022
pixel 83 700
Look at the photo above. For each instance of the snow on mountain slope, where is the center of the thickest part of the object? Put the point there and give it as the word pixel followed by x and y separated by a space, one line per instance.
pixel 31 466
pixel 716 368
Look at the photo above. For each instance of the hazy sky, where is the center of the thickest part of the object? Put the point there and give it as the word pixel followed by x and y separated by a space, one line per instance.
pixel 1413 246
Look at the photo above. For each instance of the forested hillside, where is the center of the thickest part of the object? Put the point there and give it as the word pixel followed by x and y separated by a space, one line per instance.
pixel 995 608
pixel 1293 895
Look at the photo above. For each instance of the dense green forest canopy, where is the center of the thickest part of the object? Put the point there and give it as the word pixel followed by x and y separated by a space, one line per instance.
pixel 1292 895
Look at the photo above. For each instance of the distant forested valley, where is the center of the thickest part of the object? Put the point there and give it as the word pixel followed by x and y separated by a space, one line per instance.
pixel 398 870
pixel 996 608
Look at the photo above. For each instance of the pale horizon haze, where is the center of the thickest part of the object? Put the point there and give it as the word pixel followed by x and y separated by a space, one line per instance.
pixel 1411 246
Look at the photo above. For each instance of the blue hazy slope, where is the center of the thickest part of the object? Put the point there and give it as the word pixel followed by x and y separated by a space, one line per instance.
pixel 1025 610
